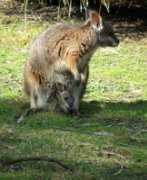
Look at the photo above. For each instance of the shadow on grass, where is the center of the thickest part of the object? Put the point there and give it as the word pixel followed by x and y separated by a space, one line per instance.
pixel 82 170
pixel 131 114
pixel 10 108
pixel 115 112
pixel 83 153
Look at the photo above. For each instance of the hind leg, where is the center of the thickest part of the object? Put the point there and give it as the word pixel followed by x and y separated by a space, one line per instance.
pixel 38 98
pixel 36 103
pixel 41 99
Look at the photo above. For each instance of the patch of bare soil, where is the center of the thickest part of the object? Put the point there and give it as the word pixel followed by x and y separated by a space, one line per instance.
pixel 129 18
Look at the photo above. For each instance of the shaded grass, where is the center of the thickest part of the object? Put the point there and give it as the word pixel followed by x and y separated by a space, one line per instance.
pixel 107 142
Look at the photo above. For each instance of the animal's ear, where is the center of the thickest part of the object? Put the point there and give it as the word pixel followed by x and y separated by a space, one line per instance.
pixel 95 19
pixel 60 87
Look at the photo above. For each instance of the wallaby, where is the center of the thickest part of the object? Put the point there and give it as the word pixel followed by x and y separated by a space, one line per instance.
pixel 64 83
pixel 55 95
pixel 65 47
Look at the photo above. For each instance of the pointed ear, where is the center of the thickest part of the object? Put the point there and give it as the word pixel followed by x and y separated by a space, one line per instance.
pixel 95 19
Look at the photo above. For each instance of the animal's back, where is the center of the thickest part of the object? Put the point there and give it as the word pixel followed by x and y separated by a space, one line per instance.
pixel 59 40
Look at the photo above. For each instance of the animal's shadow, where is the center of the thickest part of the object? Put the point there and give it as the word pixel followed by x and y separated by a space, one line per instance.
pixel 129 114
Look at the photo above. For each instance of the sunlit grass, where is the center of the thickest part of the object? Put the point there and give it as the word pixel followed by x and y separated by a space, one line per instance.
pixel 112 132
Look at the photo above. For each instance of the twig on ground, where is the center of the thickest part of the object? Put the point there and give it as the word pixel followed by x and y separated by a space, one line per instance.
pixel 35 158
pixel 120 168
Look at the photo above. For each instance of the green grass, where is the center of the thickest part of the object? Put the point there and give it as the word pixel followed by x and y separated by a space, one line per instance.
pixel 108 142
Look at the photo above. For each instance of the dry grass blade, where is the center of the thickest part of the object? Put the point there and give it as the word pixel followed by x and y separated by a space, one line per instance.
pixel 112 153
pixel 120 168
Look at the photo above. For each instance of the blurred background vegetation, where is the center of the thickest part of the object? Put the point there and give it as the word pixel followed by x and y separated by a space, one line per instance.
pixel 61 8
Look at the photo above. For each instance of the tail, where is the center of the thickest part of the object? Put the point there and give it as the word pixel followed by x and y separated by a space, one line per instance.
pixel 25 114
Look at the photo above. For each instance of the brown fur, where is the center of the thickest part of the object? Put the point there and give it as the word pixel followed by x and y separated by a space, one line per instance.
pixel 61 48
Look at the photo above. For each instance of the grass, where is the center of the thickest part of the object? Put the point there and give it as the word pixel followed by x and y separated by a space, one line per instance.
pixel 108 142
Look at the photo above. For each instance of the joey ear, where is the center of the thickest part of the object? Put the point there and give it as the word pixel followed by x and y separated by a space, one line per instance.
pixel 95 18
